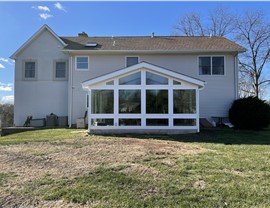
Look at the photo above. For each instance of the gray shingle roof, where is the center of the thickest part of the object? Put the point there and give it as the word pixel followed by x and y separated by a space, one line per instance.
pixel 157 43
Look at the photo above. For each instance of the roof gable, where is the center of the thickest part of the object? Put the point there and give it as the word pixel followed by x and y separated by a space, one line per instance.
pixel 33 37
pixel 147 66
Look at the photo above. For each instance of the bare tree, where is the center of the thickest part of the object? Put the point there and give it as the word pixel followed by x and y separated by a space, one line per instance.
pixel 250 30
pixel 190 25
pixel 253 32
pixel 219 23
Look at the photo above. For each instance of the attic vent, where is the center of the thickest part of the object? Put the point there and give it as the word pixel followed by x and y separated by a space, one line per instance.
pixel 91 44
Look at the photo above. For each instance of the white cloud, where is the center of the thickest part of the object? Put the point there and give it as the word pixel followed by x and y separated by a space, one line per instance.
pixel 2 66
pixel 42 8
pixel 3 59
pixel 6 60
pixel 6 87
pixel 8 99
pixel 60 7
pixel 45 16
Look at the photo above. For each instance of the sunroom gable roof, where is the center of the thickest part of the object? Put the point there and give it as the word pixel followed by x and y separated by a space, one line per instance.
pixel 143 65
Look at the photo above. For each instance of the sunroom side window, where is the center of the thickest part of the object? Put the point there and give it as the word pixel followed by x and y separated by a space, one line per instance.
pixel 184 101
pixel 102 101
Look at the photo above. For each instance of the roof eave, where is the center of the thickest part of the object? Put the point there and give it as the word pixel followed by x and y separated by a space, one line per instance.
pixel 152 51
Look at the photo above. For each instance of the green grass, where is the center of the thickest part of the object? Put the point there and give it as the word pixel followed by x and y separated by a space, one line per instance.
pixel 234 172
pixel 5 176
pixel 40 136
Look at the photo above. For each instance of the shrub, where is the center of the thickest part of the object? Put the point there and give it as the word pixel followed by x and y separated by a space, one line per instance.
pixel 250 113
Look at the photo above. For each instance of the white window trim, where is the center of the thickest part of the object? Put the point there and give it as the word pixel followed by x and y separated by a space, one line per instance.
pixel 143 116
pixel 131 57
pixel 54 70
pixel 36 70
pixel 211 56
pixel 82 69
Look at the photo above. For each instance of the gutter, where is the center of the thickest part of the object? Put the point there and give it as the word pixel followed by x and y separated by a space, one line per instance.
pixel 236 74
pixel 150 51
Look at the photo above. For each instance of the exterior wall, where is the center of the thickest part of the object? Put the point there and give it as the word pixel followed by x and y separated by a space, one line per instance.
pixel 44 95
pixel 215 99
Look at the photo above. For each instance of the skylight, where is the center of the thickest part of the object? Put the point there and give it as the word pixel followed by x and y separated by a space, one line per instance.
pixel 91 44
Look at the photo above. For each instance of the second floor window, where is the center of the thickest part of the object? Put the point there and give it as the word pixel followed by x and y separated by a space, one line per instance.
pixel 30 70
pixel 132 60
pixel 60 70
pixel 211 65
pixel 82 63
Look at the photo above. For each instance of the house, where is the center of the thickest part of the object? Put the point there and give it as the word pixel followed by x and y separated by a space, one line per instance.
pixel 151 84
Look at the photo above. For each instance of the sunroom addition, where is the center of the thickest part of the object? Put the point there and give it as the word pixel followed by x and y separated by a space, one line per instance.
pixel 143 98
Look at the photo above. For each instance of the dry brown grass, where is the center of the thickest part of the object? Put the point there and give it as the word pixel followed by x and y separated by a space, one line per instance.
pixel 77 157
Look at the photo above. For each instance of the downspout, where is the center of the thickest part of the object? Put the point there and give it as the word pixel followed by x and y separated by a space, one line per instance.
pixel 236 76
pixel 70 91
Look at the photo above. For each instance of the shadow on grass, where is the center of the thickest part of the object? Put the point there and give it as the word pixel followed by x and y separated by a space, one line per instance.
pixel 217 135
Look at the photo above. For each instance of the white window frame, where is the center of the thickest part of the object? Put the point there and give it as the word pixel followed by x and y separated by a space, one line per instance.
pixel 36 70
pixel 211 67
pixel 143 116
pixel 131 57
pixel 54 70
pixel 88 60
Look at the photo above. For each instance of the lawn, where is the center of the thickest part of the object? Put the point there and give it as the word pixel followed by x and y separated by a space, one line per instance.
pixel 68 168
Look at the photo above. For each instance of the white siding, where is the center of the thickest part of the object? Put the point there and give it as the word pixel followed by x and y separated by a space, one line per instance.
pixel 215 98
pixel 44 95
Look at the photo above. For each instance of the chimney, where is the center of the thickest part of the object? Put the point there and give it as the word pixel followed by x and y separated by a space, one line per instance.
pixel 83 34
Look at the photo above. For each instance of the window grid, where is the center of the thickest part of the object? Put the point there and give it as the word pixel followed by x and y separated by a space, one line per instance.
pixel 208 65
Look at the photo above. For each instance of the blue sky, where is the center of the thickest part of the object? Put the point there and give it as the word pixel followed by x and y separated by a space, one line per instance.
pixel 20 20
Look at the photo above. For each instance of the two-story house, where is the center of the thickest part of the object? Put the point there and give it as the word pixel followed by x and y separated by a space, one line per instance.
pixel 151 84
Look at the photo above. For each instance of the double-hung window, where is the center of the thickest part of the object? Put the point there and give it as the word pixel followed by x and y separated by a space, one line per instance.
pixel 211 65
pixel 60 70
pixel 82 63
pixel 30 68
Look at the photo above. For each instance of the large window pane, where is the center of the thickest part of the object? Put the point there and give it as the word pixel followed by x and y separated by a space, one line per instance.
pixel 218 65
pixel 184 101
pixel 102 101
pixel 156 101
pixel 129 122
pixel 154 79
pixel 102 122
pixel 133 79
pixel 204 65
pixel 129 101
pixel 157 122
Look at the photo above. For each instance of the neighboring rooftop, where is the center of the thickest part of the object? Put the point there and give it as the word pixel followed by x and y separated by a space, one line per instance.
pixel 156 43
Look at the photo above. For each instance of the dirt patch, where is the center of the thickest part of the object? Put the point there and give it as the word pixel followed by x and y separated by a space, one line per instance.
pixel 200 184
pixel 77 157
